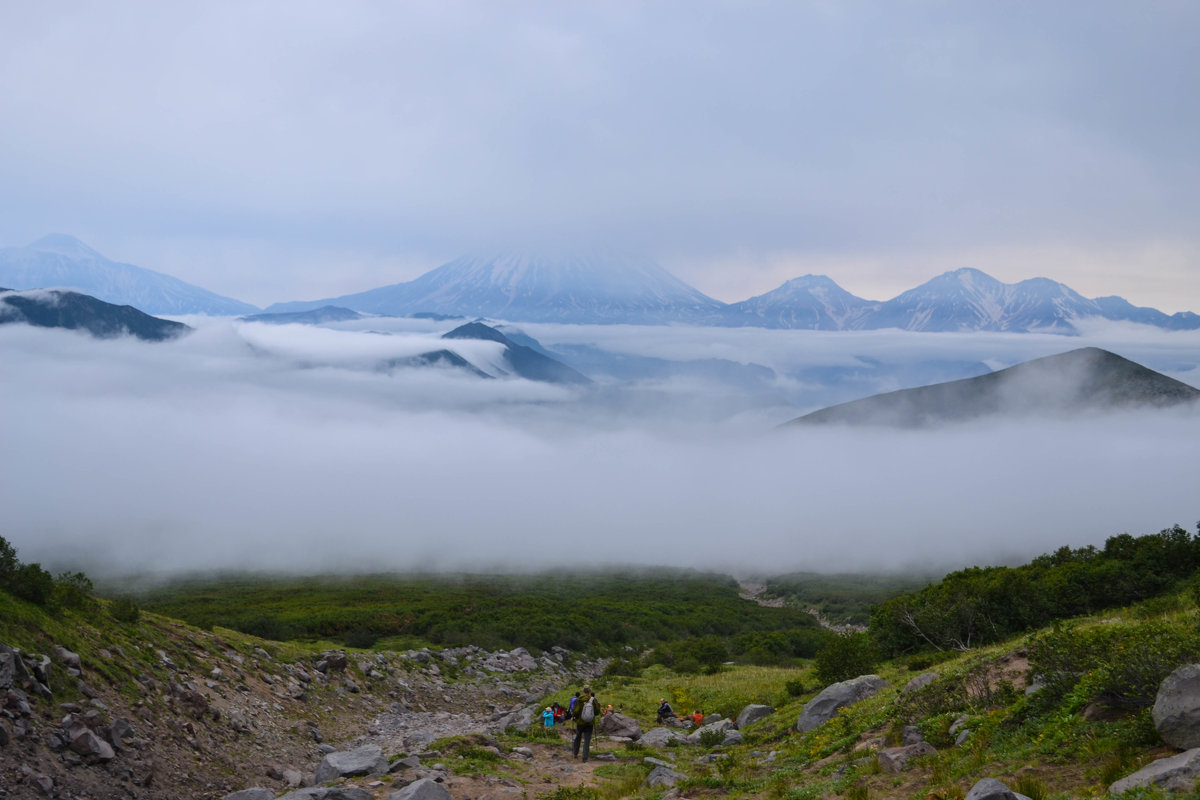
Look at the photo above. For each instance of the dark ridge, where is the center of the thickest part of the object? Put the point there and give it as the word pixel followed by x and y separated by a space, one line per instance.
pixel 437 358
pixel 524 361
pixel 1087 379
pixel 75 311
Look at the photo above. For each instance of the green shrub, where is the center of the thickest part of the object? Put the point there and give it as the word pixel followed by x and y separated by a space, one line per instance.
pixel 1118 664
pixel 361 638
pixel 626 667
pixel 124 609
pixel 846 656
pixel 711 738
pixel 73 590
pixel 794 687
pixel 31 582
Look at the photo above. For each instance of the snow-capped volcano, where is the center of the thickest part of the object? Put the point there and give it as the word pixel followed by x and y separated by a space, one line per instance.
pixel 59 260
pixel 812 302
pixel 970 300
pixel 519 287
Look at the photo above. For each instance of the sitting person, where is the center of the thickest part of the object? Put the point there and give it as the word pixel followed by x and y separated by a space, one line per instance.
pixel 697 718
pixel 665 712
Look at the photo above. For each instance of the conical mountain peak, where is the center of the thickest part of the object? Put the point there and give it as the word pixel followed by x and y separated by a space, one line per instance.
pixel 65 245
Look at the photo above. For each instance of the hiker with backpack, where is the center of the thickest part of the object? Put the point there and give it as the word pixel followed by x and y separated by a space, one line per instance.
pixel 584 713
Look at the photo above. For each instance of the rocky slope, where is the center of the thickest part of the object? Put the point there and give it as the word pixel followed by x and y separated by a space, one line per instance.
pixel 192 714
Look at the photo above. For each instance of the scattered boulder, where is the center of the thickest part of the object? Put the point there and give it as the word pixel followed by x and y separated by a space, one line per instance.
pixel 896 759
pixel 424 789
pixel 408 762
pixel 89 745
pixel 992 789
pixel 366 760
pixel 335 660
pixel 912 735
pixel 1176 711
pixel 1177 773
pixel 616 724
pixel 521 718
pixel 68 659
pixel 825 705
pixel 920 682
pixel 333 793
pixel 752 714
pixel 662 776
pixel 658 737
pixel 723 726
pixel 255 793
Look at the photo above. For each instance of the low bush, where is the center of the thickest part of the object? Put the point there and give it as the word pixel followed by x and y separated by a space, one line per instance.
pixel 124 609
pixel 846 656
pixel 1120 664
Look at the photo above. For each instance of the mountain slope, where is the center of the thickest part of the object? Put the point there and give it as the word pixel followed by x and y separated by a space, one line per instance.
pixel 62 261
pixel 520 359
pixel 811 302
pixel 74 311
pixel 593 289
pixel 1087 379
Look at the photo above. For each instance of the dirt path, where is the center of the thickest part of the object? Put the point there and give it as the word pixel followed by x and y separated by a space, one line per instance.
pixel 531 770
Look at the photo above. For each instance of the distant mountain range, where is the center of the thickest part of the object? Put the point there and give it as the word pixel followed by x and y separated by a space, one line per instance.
pixel 619 290
pixel 52 308
pixel 1079 381
pixel 58 261
pixel 605 289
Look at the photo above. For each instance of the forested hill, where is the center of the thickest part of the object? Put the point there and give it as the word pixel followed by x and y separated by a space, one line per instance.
pixel 982 605
pixel 596 611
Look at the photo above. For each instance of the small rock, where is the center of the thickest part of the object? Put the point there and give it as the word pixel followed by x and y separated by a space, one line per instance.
pixel 896 759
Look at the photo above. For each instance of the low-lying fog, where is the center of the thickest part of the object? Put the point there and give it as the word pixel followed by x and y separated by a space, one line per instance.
pixel 255 446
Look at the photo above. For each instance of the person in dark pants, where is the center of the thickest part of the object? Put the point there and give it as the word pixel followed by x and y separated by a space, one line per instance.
pixel 583 729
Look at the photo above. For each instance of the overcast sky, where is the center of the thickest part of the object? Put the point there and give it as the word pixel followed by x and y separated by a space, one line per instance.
pixel 295 150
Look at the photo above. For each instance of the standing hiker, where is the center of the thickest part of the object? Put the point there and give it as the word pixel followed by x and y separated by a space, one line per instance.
pixel 584 713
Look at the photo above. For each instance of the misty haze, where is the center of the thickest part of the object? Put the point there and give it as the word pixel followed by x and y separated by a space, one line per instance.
pixel 294 447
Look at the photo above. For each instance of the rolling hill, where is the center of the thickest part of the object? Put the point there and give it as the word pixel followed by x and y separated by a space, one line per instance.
pixel 1078 381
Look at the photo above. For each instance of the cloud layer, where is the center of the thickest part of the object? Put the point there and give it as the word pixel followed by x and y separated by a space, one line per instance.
pixel 243 447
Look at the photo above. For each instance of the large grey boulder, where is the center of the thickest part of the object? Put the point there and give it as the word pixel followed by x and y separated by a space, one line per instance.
pixel 424 789
pixel 662 776
pixel 920 682
pixel 366 760
pixel 254 793
pixel 722 725
pixel 615 724
pixel 824 706
pixel 1177 773
pixel 896 759
pixel 753 713
pixel 992 789
pixel 658 737
pixel 1176 711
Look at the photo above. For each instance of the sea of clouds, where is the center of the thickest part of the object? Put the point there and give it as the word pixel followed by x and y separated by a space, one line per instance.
pixel 286 448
